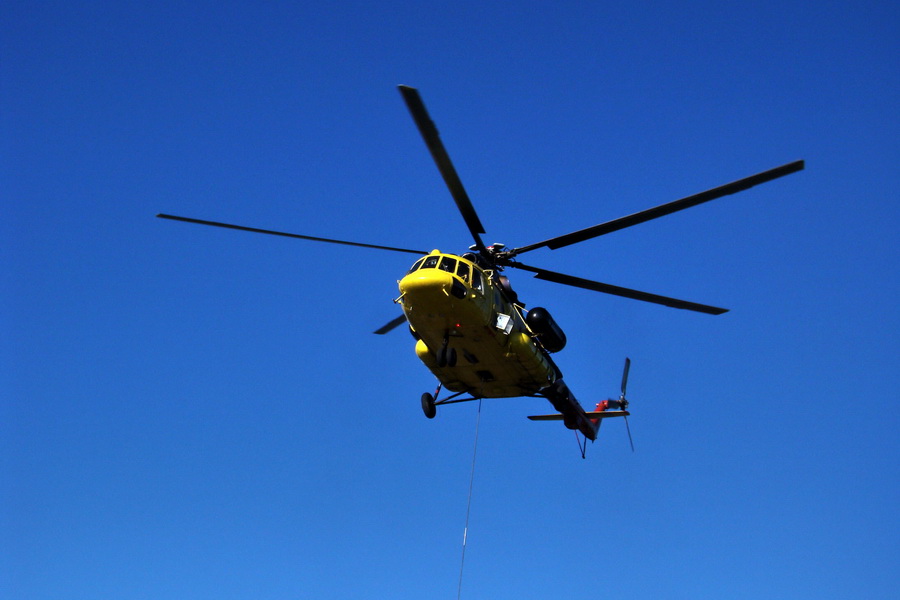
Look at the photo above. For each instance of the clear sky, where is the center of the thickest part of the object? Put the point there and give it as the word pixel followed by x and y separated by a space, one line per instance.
pixel 188 412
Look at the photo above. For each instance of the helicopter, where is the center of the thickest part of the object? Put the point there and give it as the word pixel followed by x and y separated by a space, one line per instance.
pixel 471 329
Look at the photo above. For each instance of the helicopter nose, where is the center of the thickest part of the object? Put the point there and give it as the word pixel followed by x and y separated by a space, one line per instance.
pixel 431 284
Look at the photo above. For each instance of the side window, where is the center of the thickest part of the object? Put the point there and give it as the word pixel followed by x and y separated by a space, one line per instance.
pixel 499 303
pixel 430 262
pixel 463 271
pixel 476 280
pixel 448 264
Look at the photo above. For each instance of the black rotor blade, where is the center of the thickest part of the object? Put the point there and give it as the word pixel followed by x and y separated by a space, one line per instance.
pixel 290 235
pixel 628 429
pixel 615 290
pixel 664 209
pixel 390 325
pixel 445 166
pixel 622 398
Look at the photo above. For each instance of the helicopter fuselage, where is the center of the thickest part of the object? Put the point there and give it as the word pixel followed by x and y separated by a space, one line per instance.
pixel 457 309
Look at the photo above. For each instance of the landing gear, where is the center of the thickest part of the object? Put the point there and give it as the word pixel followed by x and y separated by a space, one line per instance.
pixel 428 406
pixel 430 402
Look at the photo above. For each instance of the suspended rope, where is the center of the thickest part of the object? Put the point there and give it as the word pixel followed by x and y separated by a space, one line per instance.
pixel 462 562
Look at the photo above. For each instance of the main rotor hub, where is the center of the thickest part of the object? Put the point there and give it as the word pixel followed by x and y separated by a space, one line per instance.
pixel 495 256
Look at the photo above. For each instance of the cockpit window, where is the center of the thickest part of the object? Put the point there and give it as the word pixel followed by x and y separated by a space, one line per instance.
pixel 448 264
pixel 416 266
pixel 463 271
pixel 430 262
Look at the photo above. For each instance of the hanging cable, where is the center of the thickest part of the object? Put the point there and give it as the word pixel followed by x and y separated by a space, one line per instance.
pixel 462 561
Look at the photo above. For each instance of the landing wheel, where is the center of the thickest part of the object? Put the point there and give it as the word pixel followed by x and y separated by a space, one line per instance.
pixel 428 406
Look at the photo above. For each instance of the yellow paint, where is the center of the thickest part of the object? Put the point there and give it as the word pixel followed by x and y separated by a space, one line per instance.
pixel 490 362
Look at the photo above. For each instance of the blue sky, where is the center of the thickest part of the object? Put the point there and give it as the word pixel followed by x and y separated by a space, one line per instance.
pixel 199 413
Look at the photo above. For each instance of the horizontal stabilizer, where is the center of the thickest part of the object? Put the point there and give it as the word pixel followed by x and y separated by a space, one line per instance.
pixel 591 415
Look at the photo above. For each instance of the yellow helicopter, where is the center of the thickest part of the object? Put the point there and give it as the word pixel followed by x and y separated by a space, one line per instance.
pixel 471 329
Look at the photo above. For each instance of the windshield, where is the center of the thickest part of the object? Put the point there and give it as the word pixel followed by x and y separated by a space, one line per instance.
pixel 416 266
pixel 463 270
pixel 448 264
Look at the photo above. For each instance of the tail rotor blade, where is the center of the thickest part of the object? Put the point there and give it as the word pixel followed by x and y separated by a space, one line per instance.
pixel 628 429
pixel 624 401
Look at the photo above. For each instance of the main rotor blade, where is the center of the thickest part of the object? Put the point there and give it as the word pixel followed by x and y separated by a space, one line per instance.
pixel 615 290
pixel 664 209
pixel 290 235
pixel 432 139
pixel 390 325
